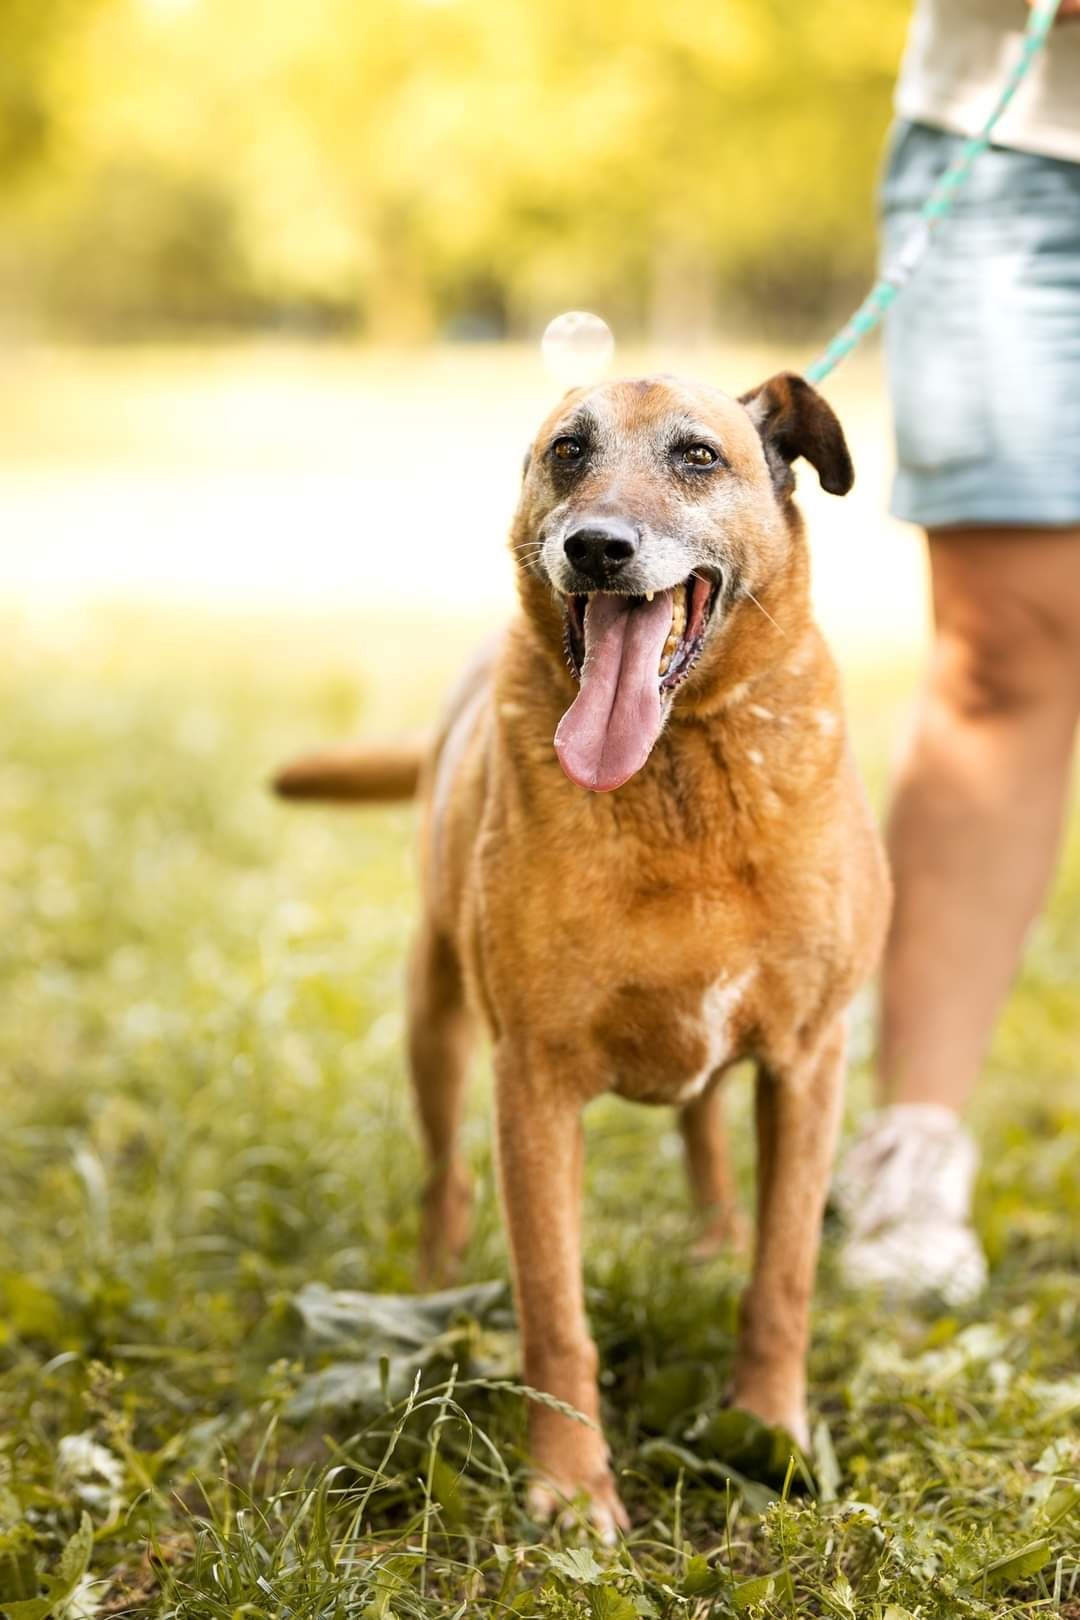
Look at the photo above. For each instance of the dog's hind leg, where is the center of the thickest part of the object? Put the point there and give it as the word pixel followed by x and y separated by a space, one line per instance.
pixel 708 1168
pixel 440 1038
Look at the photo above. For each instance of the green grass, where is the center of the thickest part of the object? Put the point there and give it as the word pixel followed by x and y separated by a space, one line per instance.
pixel 203 1110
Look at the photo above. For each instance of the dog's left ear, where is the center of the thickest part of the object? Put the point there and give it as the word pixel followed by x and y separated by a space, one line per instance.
pixel 793 420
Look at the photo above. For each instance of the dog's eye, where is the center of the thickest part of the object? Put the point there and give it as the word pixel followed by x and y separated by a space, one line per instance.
pixel 568 449
pixel 699 455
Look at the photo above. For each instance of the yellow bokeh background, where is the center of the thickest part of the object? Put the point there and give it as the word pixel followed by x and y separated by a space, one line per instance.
pixel 410 168
pixel 272 279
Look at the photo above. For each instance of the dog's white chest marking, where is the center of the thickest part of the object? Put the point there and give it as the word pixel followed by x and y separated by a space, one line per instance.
pixel 719 1005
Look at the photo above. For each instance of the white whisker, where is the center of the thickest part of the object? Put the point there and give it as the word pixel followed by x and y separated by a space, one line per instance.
pixel 526 556
pixel 748 592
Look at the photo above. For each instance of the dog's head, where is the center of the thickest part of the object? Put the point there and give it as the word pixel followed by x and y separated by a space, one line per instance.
pixel 651 509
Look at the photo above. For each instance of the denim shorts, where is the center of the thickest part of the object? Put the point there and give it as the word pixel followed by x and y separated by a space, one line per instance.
pixel 983 345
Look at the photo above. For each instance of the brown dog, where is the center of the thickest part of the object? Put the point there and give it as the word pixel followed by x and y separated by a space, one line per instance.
pixel 724 903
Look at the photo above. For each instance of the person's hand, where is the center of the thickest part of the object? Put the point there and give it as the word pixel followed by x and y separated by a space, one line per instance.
pixel 1067 9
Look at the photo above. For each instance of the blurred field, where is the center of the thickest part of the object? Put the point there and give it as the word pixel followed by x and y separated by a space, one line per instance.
pixel 204 1107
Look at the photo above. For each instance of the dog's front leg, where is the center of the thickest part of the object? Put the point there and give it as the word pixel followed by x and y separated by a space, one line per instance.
pixel 798 1114
pixel 540 1166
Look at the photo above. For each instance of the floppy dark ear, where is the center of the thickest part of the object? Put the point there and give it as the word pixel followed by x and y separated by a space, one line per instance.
pixel 793 420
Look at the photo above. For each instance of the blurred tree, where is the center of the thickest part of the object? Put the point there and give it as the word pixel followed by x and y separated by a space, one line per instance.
pixel 409 164
pixel 29 30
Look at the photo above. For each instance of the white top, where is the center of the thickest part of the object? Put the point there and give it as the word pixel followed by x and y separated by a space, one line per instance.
pixel 958 55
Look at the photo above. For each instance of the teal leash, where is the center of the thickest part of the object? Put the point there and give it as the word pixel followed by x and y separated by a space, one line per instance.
pixel 895 277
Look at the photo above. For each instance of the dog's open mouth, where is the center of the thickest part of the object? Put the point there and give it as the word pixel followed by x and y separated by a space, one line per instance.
pixel 688 606
pixel 629 654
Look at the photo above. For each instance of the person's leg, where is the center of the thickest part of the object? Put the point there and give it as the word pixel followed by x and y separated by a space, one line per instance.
pixel 974 827
pixel 978 801
pixel 983 355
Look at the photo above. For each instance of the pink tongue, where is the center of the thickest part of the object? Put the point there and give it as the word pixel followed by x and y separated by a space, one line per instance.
pixel 608 731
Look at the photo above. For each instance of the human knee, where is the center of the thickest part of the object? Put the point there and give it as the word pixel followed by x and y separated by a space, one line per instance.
pixel 997 659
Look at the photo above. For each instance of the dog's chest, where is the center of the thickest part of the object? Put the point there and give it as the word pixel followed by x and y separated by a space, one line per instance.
pixel 663 1043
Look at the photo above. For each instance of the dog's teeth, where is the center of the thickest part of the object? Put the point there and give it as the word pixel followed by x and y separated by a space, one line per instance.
pixel 678 628
pixel 667 652
pixel 649 595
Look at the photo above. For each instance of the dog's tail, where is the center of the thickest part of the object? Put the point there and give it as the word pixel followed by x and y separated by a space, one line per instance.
pixel 375 773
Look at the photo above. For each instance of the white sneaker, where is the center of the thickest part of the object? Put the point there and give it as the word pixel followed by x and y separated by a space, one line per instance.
pixel 904 1190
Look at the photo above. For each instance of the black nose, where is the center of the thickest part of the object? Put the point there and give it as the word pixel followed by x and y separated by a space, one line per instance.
pixel 601 548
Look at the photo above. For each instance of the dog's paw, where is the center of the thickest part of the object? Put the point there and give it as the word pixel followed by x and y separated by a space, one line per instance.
pixel 725 1232
pixel 760 1449
pixel 781 1417
pixel 446 1224
pixel 595 1505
